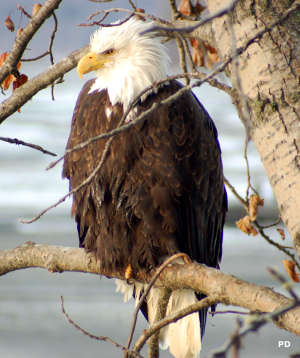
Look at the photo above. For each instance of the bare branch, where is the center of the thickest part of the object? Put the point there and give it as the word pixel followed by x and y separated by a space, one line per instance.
pixel 142 14
pixel 20 142
pixel 278 246
pixel 92 336
pixel 24 93
pixel 35 58
pixel 257 321
pixel 205 302
pixel 26 35
pixel 189 29
pixel 225 288
pixel 145 294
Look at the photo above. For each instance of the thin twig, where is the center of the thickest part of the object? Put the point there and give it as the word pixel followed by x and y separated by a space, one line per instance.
pixel 276 222
pixel 26 35
pixel 92 336
pixel 99 23
pixel 189 29
pixel 35 58
pixel 232 312
pixel 132 4
pixel 278 246
pixel 34 146
pixel 52 37
pixel 147 290
pixel 220 67
pixel 116 131
pixel 24 93
pixel 195 307
pixel 182 59
pixel 23 11
pixel 138 119
pixel 287 285
pixel 142 14
pixel 235 193
pixel 256 322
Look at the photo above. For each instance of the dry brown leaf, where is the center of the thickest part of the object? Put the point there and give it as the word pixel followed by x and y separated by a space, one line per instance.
pixel 8 80
pixel 36 7
pixel 246 226
pixel 212 55
pixel 281 232
pixel 254 202
pixel 9 24
pixel 203 54
pixel 197 55
pixel 198 8
pixel 185 7
pixel 18 82
pixel 290 268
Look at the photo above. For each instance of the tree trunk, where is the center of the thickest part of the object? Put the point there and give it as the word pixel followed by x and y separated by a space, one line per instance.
pixel 269 73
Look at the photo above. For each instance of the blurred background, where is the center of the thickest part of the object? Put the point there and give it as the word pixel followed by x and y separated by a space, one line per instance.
pixel 31 322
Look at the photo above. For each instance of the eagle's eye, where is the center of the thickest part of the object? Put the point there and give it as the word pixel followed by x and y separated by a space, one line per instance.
pixel 109 51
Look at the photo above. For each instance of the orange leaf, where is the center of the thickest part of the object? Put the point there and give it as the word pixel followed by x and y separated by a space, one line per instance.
pixel 9 24
pixel 3 57
pixel 7 81
pixel 245 225
pixel 281 232
pixel 209 47
pixel 35 9
pixel 185 7
pixel 290 268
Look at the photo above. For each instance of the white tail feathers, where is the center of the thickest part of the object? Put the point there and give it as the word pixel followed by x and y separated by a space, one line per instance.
pixel 183 337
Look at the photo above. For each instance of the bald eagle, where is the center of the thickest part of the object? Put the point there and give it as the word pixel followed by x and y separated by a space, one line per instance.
pixel 161 188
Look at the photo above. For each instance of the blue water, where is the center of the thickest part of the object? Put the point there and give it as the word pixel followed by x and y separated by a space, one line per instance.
pixel 31 322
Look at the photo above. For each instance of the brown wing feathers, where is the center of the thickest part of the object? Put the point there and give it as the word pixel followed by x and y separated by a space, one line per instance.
pixel 161 188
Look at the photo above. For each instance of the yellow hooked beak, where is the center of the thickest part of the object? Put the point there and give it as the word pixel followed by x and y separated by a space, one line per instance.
pixel 90 62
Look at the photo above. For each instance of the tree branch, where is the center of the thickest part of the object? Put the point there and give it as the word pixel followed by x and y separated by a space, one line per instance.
pixel 24 93
pixel 26 144
pixel 26 35
pixel 225 288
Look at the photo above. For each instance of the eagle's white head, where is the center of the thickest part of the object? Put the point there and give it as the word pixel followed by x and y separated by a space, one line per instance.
pixel 125 60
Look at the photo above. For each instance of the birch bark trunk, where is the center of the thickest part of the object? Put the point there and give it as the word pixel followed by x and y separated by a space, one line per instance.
pixel 269 73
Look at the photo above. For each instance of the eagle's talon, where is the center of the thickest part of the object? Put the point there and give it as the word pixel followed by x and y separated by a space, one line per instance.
pixel 128 273
pixel 187 260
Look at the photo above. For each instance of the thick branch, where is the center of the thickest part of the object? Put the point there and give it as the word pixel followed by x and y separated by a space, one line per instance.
pixel 24 93
pixel 24 38
pixel 226 288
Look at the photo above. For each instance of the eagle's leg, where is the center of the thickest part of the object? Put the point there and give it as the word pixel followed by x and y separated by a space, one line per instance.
pixel 153 343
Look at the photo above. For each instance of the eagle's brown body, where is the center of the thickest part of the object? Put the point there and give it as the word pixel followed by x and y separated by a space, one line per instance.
pixel 160 190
